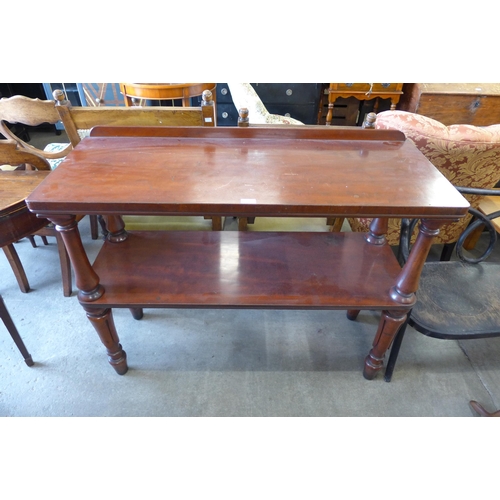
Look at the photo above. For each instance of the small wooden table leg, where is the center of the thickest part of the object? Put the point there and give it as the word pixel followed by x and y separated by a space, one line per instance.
pixel 90 289
pixel 403 292
pixel 11 328
pixel 102 321
pixel 390 322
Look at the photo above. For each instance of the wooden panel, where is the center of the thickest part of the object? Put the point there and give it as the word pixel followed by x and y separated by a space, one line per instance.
pixel 239 269
pixel 86 118
pixel 449 103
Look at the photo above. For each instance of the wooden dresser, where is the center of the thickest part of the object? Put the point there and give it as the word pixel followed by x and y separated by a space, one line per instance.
pixel 454 103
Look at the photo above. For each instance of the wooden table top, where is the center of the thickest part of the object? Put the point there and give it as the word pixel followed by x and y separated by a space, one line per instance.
pixel 288 171
pixel 16 185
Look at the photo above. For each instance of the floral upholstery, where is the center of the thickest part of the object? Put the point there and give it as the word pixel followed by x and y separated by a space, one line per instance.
pixel 466 155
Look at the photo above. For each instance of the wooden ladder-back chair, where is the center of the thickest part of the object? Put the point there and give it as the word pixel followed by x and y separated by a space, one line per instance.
pixel 16 221
pixel 78 121
pixel 33 112
pixel 466 155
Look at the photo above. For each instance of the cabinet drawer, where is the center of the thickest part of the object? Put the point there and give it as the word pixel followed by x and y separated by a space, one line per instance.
pixel 288 93
pixel 306 113
pixel 223 94
pixel 227 115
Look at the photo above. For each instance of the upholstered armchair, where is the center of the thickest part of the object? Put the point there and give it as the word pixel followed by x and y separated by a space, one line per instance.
pixel 467 155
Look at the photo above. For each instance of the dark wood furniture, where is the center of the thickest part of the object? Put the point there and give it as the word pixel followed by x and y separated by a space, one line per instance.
pixel 363 92
pixel 452 103
pixel 264 171
pixel 32 112
pixel 457 300
pixel 16 221
pixel 80 119
pixel 11 328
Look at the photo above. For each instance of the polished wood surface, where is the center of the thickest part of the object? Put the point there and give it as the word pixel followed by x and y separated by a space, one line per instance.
pixel 241 269
pixel 17 222
pixel 77 119
pixel 246 172
pixel 292 171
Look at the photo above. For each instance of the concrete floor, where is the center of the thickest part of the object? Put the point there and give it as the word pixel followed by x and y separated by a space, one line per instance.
pixel 222 362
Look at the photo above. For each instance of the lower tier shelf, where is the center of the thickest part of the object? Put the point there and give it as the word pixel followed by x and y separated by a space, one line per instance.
pixel 246 269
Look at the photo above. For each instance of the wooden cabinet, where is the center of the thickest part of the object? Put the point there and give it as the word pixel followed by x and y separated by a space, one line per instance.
pixel 363 92
pixel 454 103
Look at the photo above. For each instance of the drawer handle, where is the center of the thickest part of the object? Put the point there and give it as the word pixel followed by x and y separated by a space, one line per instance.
pixel 223 91
pixel 225 114
pixel 289 92
pixel 385 85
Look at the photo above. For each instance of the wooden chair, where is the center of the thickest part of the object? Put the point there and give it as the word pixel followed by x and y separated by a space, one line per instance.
pixel 11 328
pixel 466 155
pixel 78 121
pixel 16 221
pixel 134 93
pixel 456 299
pixel 33 112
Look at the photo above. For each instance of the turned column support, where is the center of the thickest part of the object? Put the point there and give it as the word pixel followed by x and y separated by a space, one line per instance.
pixel 407 281
pixel 87 280
pixel 116 228
pixel 377 232
pixel 389 324
pixel 403 292
pixel 104 325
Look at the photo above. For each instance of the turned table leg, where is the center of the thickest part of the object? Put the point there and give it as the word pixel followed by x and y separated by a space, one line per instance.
pixel 390 322
pixel 87 282
pixel 402 293
pixel 102 321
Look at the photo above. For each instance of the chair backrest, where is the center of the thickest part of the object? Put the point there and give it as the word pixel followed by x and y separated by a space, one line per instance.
pixel 468 156
pixel 31 112
pixel 163 91
pixel 12 154
pixel 78 121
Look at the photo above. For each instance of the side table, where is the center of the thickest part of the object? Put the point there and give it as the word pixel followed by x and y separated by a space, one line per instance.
pixel 363 92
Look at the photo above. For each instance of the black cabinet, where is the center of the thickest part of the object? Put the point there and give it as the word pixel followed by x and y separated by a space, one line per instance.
pixel 297 100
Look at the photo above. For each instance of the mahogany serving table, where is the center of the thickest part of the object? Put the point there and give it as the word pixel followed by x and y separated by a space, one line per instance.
pixel 281 171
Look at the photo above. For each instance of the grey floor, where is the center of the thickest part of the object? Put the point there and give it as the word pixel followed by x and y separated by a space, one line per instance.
pixel 222 362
